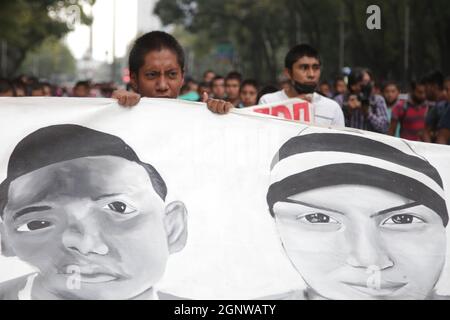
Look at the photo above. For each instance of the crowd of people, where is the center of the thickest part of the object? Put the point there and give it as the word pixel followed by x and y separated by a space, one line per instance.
pixel 355 100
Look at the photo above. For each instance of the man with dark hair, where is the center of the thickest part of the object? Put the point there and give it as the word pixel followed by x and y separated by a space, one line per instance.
pixel 204 87
pixel 91 217
pixel 232 86
pixel 218 88
pixel 303 68
pixel 339 86
pixel 270 88
pixel 444 123
pixel 248 93
pixel 437 103
pixel 6 88
pixel 363 109
pixel 410 114
pixel 156 64
pixel 444 129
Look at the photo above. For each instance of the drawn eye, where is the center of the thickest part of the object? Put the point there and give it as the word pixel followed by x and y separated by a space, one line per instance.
pixel 120 207
pixel 34 225
pixel 402 219
pixel 317 218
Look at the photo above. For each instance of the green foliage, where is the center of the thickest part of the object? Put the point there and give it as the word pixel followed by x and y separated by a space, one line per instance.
pixel 26 24
pixel 262 31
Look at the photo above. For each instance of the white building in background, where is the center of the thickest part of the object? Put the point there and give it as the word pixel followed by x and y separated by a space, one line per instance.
pixel 146 19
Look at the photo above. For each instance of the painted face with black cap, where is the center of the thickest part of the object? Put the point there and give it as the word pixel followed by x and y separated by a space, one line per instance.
pixel 360 242
pixel 350 237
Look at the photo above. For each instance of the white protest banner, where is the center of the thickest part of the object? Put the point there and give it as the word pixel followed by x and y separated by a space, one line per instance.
pixel 167 200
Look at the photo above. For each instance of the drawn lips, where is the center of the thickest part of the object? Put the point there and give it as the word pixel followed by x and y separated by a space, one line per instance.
pixel 384 289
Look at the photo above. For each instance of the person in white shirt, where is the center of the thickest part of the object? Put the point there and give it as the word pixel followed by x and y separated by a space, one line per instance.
pixel 303 69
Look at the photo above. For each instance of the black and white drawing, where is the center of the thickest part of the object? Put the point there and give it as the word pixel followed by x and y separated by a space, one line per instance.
pixel 93 219
pixel 358 218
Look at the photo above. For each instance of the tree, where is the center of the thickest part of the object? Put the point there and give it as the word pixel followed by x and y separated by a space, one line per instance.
pixel 262 31
pixel 26 24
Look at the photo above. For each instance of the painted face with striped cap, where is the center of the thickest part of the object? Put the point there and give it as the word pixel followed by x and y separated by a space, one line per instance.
pixel 359 219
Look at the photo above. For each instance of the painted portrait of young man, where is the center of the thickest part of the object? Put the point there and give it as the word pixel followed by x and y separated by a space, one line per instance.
pixel 93 219
pixel 358 218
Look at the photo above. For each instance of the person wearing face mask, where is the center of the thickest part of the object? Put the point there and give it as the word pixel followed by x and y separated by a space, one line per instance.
pixel 363 109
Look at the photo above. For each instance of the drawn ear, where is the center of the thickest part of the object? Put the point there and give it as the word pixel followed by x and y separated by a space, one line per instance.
pixel 175 223
pixel 5 249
